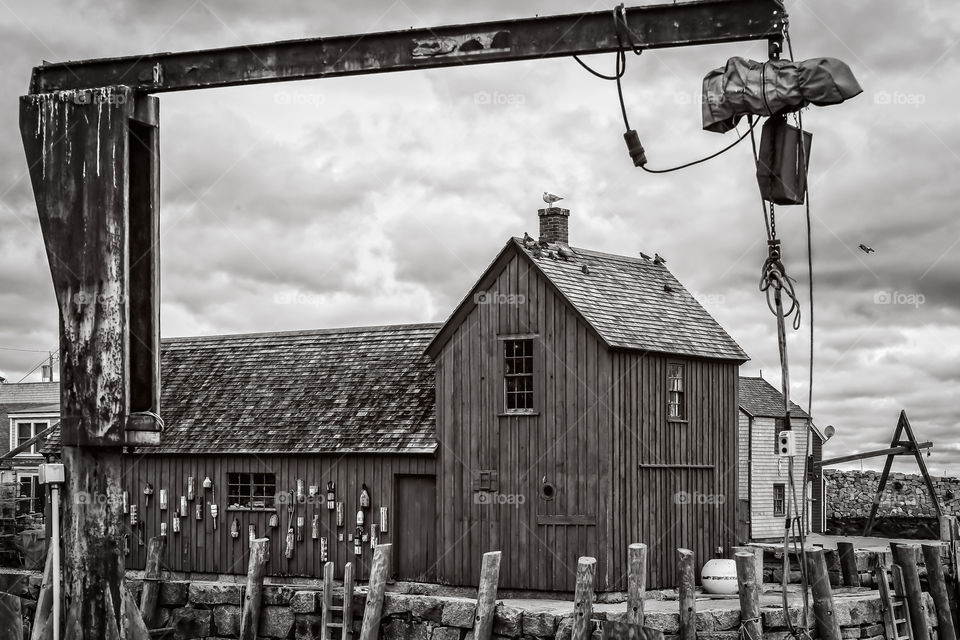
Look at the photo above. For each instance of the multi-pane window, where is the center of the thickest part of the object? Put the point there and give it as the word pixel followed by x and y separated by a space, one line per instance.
pixel 779 499
pixel 251 490
pixel 24 431
pixel 777 428
pixel 676 409
pixel 518 374
pixel 30 498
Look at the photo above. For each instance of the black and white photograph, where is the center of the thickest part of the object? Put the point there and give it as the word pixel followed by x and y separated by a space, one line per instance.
pixel 419 320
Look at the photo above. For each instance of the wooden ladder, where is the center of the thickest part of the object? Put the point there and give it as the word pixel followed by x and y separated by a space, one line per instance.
pixel 344 609
pixel 896 614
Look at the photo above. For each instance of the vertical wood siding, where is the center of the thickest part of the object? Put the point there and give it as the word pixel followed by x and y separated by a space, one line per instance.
pixel 767 470
pixel 198 548
pixel 600 414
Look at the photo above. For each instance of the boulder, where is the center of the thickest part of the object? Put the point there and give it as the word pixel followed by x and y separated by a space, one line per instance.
pixel 214 593
pixel 459 612
pixel 226 619
pixel 188 622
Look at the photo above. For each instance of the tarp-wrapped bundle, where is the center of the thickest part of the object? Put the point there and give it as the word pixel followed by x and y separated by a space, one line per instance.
pixel 774 87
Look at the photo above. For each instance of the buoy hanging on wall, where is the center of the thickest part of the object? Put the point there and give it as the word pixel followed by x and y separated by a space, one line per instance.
pixel 176 524
pixel 235 528
pixel 163 528
pixel 359 519
pixel 207 482
pixel 133 515
pixel 315 528
pixel 148 491
pixel 364 497
pixel 331 494
pixel 340 514
pixel 300 495
pixel 300 522
pixel 323 549
pixel 198 511
pixel 383 519
pixel 288 551
pixel 214 512
pixel 183 506
pixel 374 536
pixel 191 489
pixel 274 521
pixel 357 542
pixel 126 502
pixel 163 499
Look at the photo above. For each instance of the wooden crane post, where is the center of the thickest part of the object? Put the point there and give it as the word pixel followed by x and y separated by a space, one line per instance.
pixel 92 157
pixel 90 133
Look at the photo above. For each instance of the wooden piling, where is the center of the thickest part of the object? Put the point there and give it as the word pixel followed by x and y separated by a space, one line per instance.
pixel 687 589
pixel 938 590
pixel 827 624
pixel 256 568
pixel 757 553
pixel 376 585
pixel 750 588
pixel 636 582
pixel 948 525
pixel 151 581
pixel 583 599
pixel 487 596
pixel 906 557
pixel 848 564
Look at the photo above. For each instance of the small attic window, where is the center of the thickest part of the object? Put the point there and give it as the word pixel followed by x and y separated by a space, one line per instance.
pixel 518 375
pixel 676 406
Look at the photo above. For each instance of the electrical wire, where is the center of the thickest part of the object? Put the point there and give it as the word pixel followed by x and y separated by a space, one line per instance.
pixel 749 132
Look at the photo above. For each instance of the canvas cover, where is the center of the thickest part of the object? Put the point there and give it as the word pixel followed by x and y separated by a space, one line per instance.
pixel 773 87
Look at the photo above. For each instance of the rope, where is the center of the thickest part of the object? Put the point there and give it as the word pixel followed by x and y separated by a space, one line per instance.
pixel 744 631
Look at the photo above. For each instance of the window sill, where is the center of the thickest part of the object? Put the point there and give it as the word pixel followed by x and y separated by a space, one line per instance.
pixel 253 509
pixel 677 421
pixel 513 414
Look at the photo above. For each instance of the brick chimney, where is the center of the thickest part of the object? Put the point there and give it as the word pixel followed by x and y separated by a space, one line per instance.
pixel 553 224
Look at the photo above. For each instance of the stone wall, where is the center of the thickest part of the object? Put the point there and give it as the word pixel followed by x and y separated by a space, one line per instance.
pixel 212 610
pixel 850 494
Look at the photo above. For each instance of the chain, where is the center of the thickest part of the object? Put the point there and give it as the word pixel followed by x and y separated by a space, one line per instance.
pixel 773 223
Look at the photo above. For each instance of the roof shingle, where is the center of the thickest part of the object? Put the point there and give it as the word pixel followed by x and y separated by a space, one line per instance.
pixel 759 398
pixel 628 303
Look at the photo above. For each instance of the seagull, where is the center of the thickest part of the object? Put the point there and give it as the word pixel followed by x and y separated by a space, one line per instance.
pixel 527 239
pixel 644 256
pixel 565 252
pixel 658 259
pixel 668 288
pixel 550 198
pixel 866 249
pixel 585 269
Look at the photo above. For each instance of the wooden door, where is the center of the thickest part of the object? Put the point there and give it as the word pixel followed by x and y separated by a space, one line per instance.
pixel 415 537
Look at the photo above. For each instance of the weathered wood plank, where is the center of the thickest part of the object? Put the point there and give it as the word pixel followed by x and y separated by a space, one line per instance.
pixel 583 599
pixel 487 595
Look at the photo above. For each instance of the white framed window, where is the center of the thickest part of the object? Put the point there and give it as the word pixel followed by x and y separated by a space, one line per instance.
pixel 22 430
pixel 30 496
pixel 676 405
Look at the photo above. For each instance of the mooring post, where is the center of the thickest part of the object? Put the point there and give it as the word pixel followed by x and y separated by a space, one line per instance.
pixel 376 585
pixel 687 589
pixel 347 631
pixel 750 588
pixel 823 612
pixel 487 595
pixel 906 557
pixel 636 581
pixel 151 581
pixel 757 553
pixel 583 599
pixel 938 590
pixel 848 564
pixel 256 568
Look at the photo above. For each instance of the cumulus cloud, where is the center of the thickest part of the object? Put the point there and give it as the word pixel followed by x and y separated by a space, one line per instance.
pixel 381 199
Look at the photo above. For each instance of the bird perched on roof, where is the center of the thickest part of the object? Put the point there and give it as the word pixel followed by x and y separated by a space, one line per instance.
pixel 866 249
pixel 527 239
pixel 658 259
pixel 668 288
pixel 644 256
pixel 585 269
pixel 565 252
pixel 550 198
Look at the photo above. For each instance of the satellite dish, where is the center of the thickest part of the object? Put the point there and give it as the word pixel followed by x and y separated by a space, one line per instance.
pixel 829 432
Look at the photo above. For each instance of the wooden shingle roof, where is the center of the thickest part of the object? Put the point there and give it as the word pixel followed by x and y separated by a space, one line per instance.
pixel 359 390
pixel 759 398
pixel 634 303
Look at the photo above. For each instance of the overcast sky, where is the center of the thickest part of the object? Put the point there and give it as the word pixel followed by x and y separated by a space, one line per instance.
pixel 380 199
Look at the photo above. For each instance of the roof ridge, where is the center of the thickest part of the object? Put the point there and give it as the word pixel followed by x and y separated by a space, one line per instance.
pixel 604 254
pixel 306 332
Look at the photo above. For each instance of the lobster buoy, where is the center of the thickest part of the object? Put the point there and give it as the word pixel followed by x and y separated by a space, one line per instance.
pixel 719 576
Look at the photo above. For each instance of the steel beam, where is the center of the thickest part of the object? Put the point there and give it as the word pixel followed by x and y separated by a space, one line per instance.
pixel 650 27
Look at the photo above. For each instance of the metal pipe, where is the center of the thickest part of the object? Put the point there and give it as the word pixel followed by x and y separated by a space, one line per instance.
pixel 55 513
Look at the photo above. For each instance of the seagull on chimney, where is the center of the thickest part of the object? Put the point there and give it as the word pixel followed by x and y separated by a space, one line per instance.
pixel 550 198
pixel 658 259
pixel 866 249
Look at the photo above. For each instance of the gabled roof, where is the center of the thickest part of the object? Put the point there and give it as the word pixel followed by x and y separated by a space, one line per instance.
pixel 631 303
pixel 759 398
pixel 22 393
pixel 360 390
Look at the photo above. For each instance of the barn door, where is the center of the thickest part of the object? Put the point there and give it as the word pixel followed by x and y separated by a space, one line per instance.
pixel 415 535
